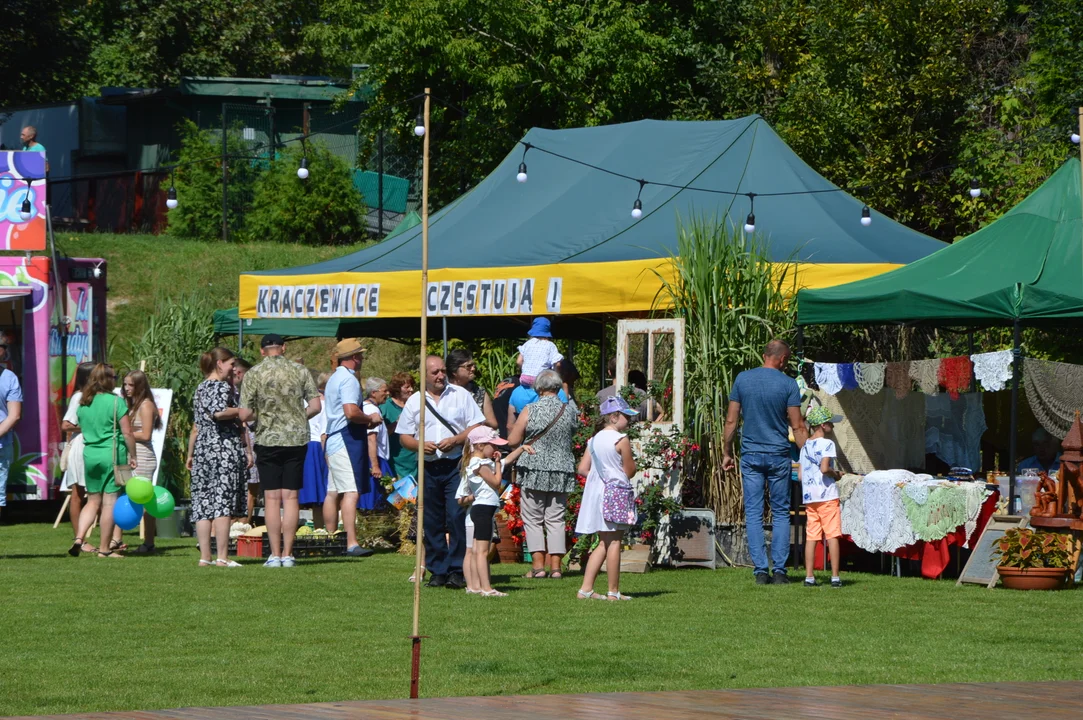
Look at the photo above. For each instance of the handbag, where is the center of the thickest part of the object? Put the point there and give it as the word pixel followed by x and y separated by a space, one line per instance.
pixel 618 497
pixel 121 473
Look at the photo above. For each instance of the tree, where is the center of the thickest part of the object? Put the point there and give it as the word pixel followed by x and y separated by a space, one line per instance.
pixel 44 51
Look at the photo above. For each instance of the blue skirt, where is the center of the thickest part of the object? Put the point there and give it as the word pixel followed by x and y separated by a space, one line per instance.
pixel 375 498
pixel 314 489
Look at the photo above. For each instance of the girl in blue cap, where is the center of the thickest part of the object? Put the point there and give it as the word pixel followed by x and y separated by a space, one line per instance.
pixel 538 353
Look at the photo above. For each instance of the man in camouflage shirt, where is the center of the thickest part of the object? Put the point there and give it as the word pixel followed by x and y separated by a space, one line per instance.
pixel 283 396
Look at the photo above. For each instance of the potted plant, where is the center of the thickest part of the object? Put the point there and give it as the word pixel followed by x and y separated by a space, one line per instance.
pixel 1033 559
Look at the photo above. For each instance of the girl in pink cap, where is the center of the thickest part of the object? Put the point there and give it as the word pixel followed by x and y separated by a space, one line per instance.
pixel 480 489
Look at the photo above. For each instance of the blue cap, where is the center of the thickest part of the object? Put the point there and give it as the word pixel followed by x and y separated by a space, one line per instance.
pixel 540 328
pixel 615 403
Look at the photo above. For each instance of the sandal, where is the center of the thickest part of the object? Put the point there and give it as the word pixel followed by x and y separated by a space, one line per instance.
pixel 556 575
pixel 535 574
pixel 588 595
pixel 76 547
pixel 227 563
pixel 473 592
pixel 117 546
pixel 616 596
pixel 206 563
pixel 144 549
pixel 110 554
pixel 493 593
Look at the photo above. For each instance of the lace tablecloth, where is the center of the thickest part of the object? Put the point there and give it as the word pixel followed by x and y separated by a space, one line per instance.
pixel 898 512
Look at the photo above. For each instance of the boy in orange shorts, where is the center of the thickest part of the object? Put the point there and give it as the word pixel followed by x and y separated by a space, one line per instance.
pixel 818 491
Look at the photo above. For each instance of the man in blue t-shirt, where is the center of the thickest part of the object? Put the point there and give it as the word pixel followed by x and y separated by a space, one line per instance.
pixel 769 402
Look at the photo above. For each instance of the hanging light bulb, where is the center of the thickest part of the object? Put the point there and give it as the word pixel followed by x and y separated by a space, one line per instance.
pixel 866 216
pixel 975 189
pixel 521 175
pixel 419 126
pixel 26 212
pixel 1075 137
pixel 302 172
pixel 171 198
pixel 750 223
pixel 637 209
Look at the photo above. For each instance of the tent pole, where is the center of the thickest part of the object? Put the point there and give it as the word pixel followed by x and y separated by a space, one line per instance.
pixel 444 319
pixel 1081 144
pixel 240 335
pixel 415 637
pixel 1017 360
pixel 602 362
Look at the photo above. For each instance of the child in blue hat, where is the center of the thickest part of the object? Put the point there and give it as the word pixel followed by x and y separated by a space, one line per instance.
pixel 538 353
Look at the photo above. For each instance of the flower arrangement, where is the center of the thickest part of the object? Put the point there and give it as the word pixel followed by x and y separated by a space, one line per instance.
pixel 514 516
pixel 1026 548
pixel 664 451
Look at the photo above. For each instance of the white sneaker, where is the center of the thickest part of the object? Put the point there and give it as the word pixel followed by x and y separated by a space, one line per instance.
pixel 288 561
pixel 273 561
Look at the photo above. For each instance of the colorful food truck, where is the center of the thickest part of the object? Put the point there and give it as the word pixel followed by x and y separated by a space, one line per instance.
pixel 52 317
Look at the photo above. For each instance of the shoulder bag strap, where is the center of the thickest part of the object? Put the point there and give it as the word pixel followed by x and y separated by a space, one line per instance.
pixel 548 427
pixel 114 430
pixel 440 417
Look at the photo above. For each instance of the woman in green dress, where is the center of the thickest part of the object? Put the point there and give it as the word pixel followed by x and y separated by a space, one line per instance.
pixel 103 420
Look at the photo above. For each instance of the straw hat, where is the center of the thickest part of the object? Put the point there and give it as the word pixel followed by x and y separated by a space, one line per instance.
pixel 348 347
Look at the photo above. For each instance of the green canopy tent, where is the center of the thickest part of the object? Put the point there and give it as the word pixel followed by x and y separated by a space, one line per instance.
pixel 1026 268
pixel 564 243
pixel 226 322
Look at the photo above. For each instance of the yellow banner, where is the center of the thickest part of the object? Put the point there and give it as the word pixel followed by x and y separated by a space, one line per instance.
pixel 563 289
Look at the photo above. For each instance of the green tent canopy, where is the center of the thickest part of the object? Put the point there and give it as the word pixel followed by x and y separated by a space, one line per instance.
pixel 564 243
pixel 1025 266
pixel 226 322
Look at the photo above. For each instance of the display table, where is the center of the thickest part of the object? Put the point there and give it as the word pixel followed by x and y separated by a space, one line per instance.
pixel 915 517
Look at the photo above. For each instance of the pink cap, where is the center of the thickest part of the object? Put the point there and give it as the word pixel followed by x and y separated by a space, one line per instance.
pixel 482 434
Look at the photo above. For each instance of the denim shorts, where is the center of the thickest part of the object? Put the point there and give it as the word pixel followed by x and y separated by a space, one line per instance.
pixel 6 455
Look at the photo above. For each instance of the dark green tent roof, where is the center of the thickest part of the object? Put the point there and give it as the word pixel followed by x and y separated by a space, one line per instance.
pixel 1027 265
pixel 570 213
pixel 227 322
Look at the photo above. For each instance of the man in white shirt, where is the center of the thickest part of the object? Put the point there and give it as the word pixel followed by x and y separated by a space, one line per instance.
pixel 450 414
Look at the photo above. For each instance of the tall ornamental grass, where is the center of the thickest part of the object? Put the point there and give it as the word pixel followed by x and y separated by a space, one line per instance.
pixel 733 300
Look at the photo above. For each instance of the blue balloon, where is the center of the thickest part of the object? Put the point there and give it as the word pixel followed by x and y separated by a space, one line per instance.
pixel 127 514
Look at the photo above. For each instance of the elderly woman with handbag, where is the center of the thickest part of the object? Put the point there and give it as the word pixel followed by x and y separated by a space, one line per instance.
pixel 108 454
pixel 548 475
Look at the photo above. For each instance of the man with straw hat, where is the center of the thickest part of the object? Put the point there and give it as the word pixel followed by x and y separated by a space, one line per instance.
pixel 347 443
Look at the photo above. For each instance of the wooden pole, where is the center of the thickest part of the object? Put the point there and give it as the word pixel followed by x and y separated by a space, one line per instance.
pixel 415 670
pixel 63 509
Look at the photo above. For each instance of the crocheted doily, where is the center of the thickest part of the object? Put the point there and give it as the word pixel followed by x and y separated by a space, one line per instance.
pixel 827 377
pixel 955 374
pixel 897 377
pixel 1053 390
pixel 847 376
pixel 870 376
pixel 924 373
pixel 993 370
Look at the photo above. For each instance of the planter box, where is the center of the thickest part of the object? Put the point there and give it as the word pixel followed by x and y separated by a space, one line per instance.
pixel 1032 578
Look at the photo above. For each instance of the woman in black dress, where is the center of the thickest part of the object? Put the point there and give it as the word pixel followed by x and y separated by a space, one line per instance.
pixel 217 456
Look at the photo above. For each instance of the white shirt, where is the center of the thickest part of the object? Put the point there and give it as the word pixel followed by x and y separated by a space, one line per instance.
pixel 317 425
pixel 539 354
pixel 72 414
pixel 383 446
pixel 473 484
pixel 814 486
pixel 455 404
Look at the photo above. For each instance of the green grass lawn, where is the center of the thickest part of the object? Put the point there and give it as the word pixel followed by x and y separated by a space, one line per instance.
pixel 91 634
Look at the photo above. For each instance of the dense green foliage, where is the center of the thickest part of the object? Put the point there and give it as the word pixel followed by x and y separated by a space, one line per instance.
pixel 189 632
pixel 325 209
pixel 908 100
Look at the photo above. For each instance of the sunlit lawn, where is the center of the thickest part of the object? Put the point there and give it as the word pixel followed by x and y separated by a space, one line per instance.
pixel 89 634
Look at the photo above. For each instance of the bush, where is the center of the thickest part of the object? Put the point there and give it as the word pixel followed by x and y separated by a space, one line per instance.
pixel 325 209
pixel 198 179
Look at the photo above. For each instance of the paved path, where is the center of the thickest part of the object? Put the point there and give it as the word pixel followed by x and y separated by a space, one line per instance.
pixel 962 701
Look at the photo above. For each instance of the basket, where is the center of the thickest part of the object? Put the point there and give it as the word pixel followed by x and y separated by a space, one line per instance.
pixel 260 546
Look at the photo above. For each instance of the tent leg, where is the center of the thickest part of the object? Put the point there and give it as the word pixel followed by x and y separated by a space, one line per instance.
pixel 1017 376
pixel 240 336
pixel 603 363
pixel 445 337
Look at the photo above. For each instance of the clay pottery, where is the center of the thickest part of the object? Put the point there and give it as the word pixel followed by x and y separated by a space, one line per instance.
pixel 1032 578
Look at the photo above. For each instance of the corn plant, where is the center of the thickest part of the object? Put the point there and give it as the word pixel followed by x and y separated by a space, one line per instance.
pixel 179 331
pixel 733 300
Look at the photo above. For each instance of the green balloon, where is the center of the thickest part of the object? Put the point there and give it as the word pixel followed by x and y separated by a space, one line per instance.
pixel 139 490
pixel 162 505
